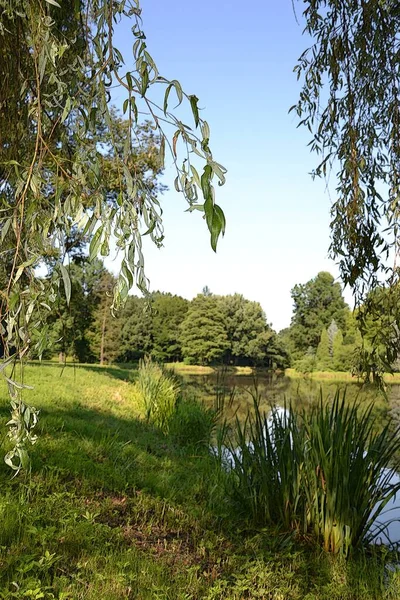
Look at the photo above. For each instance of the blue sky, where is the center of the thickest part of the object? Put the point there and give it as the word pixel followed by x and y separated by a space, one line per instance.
pixel 238 58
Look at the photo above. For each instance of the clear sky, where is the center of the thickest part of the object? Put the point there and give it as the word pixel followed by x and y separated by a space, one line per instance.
pixel 238 58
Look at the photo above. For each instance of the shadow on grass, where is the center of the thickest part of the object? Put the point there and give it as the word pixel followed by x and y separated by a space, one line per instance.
pixel 106 452
pixel 123 372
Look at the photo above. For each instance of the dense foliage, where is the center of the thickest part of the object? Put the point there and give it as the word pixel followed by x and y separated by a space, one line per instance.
pixel 209 329
pixel 72 168
pixel 325 335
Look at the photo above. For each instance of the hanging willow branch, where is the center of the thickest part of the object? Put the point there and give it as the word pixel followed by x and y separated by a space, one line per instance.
pixel 350 103
pixel 58 66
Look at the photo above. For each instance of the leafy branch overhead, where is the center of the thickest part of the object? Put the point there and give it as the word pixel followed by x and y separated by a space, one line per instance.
pixel 350 103
pixel 70 167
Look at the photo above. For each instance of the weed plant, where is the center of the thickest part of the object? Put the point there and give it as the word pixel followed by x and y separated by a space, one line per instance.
pixel 159 391
pixel 326 471
pixel 192 424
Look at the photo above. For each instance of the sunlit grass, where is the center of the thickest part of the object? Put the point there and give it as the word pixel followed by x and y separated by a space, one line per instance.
pixel 337 376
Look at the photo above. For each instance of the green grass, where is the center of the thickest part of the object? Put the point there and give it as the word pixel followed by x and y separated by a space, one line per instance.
pixel 114 509
pixel 339 376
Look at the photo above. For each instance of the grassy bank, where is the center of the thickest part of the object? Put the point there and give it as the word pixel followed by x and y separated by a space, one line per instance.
pixel 114 509
pixel 182 369
pixel 339 376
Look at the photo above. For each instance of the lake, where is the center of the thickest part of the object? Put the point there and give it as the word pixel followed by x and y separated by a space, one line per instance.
pixel 276 389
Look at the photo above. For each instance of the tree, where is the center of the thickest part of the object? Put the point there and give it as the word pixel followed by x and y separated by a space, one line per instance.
pixel 203 334
pixel 57 65
pixel 332 331
pixel 168 312
pixel 338 355
pixel 105 328
pixel 350 103
pixel 244 322
pixel 323 354
pixel 251 339
pixel 316 303
pixel 136 339
pixel 70 322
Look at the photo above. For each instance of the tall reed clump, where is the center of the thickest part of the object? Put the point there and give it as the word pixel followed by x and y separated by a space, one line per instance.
pixel 159 392
pixel 327 472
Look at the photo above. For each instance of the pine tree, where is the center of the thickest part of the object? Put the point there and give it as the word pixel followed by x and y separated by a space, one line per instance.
pixel 332 331
pixel 338 353
pixel 324 360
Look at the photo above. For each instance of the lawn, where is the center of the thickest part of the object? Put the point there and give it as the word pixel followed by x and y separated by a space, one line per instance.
pixel 114 509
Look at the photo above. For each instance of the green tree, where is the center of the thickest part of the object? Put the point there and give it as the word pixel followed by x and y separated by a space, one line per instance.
pixel 380 332
pixel 136 338
pixel 203 334
pixel 350 103
pixel 70 322
pixel 168 312
pixel 105 327
pixel 246 328
pixel 316 303
pixel 323 354
pixel 339 355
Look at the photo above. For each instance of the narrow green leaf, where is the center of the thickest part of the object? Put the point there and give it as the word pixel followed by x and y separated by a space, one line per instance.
pixel 178 89
pixel 195 110
pixel 67 282
pixel 167 91
pixel 206 182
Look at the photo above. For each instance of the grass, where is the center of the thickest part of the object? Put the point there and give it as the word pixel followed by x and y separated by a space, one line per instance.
pixel 337 376
pixel 115 509
pixel 184 369
pixel 158 390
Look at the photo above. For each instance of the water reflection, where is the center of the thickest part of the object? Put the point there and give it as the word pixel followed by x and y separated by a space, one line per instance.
pixel 275 390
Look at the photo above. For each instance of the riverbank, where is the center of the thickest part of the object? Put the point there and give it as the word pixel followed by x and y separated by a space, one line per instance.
pixel 113 509
pixel 339 376
pixel 183 369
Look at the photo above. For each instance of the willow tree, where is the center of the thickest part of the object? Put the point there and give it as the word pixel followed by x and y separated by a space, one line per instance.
pixel 350 103
pixel 59 63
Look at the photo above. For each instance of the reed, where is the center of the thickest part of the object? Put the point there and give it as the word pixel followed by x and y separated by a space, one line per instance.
pixel 158 391
pixel 327 472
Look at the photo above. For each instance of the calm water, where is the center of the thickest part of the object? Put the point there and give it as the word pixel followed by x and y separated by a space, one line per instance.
pixel 238 392
pixel 274 390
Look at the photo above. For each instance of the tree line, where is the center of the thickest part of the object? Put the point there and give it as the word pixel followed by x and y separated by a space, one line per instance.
pixel 324 333
pixel 210 329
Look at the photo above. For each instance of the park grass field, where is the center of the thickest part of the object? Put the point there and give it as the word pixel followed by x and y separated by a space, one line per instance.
pixel 113 509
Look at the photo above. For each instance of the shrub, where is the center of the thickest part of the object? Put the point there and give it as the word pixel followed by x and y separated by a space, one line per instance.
pixel 159 390
pixel 327 471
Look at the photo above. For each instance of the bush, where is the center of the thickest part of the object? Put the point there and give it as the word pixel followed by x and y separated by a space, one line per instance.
pixel 159 391
pixel 327 472
pixel 192 424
